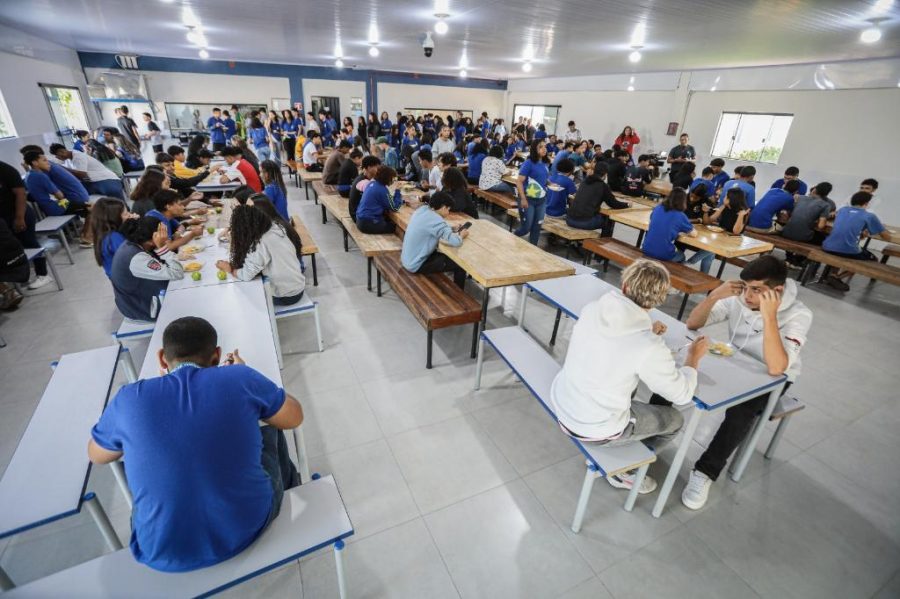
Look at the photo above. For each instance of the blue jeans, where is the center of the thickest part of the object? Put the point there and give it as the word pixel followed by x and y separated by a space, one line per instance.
pixel 704 257
pixel 531 219
pixel 110 187
pixel 263 153
pixel 503 187
pixel 595 222
pixel 277 464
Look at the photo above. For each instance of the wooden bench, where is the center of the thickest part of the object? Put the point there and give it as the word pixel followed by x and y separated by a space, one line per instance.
pixel 292 170
pixel 320 188
pixel 309 247
pixel 434 300
pixel 338 206
pixel 888 251
pixel 503 201
pixel 682 277
pixel 370 245
pixel 537 369
pixel 869 268
pixel 556 226
pixel 800 248
pixel 312 516
pixel 306 178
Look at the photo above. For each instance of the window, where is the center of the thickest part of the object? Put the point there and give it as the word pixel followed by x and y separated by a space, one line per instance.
pixel 751 137
pixel 193 117
pixel 548 115
pixel 7 129
pixel 66 108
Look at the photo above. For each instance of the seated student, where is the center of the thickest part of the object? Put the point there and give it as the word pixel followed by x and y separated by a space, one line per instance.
pixel 567 150
pixel 274 186
pixel 667 221
pixel 731 214
pixel 614 346
pixel 179 168
pixel 697 202
pixel 81 138
pixel 476 161
pixel 420 166
pixel 185 186
pixel 246 152
pixel 107 217
pixel 334 162
pixel 143 266
pixel 50 199
pixel 720 177
pixel 774 208
pixel 20 218
pixel 766 320
pixel 167 209
pixel 578 155
pixel 73 189
pixel 211 415
pixel 809 219
pixel 96 177
pixel 370 166
pixel 426 229
pixel 391 157
pixel 850 223
pixel 259 245
pixel 617 170
pixel 636 176
pixel 744 182
pixel 198 142
pixel 239 170
pixel 791 173
pixel 443 162
pixel 685 176
pixel 558 199
pixel 376 201
pixel 706 180
pixel 453 182
pixel 492 170
pixel 153 180
pixel 311 153
pixel 584 212
pixel 870 186
pixel 350 171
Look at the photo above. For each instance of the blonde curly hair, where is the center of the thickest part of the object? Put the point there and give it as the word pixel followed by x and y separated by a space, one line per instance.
pixel 646 283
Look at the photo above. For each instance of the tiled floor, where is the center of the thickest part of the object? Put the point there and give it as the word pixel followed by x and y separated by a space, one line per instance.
pixel 456 493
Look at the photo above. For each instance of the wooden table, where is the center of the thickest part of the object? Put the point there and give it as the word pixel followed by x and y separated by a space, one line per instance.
pixel 659 187
pixel 723 245
pixel 511 176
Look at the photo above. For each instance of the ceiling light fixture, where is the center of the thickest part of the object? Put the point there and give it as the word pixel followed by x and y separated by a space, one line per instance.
pixel 338 50
pixel 196 37
pixel 870 35
pixel 204 54
pixel 373 33
pixel 526 67
pixel 464 61
pixel 373 51
pixel 463 74
pixel 339 63
pixel 631 88
pixel 528 53
pixel 189 18
pixel 639 35
pixel 635 56
pixel 441 27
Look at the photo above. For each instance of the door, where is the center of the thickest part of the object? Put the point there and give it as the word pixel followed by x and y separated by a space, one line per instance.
pixel 66 109
pixel 329 103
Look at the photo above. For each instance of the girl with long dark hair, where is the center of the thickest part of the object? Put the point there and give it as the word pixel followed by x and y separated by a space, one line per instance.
pixel 274 186
pixel 107 216
pixel 531 186
pixel 153 180
pixel 454 183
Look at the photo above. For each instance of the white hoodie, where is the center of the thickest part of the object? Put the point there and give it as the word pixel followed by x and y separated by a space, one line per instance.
pixel 745 326
pixel 613 348
pixel 275 257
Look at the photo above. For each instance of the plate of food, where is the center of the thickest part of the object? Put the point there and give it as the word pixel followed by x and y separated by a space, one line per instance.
pixel 726 350
pixel 189 251
pixel 225 236
pixel 715 229
pixel 194 266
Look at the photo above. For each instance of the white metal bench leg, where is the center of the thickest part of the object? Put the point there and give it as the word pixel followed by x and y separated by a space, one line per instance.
pixel 688 432
pixel 318 327
pixel 65 244
pixel 776 438
pixel 6 582
pixel 273 324
pixel 744 458
pixel 128 365
pixel 55 274
pixel 339 566
pixel 522 301
pixel 479 364
pixel 590 475
pixel 102 520
pixel 118 470
pixel 636 487
pixel 302 460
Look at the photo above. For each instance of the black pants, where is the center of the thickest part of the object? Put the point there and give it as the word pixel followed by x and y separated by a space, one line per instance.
pixel 289 145
pixel 218 147
pixel 157 148
pixel 314 168
pixel 29 239
pixel 288 300
pixel 375 227
pixel 276 461
pixel 438 262
pixel 738 421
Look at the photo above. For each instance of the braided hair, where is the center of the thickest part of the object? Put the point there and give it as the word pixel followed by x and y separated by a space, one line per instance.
pixel 248 225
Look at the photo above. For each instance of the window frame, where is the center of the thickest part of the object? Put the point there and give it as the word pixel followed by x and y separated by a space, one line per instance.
pixel 7 118
pixel 558 107
pixel 729 155
pixel 60 133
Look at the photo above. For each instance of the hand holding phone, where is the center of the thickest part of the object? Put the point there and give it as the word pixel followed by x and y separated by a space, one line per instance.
pixel 463 226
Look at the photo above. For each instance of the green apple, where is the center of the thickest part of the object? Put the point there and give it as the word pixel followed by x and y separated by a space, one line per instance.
pixel 210 230
pixel 221 274
pixel 218 210
pixel 196 275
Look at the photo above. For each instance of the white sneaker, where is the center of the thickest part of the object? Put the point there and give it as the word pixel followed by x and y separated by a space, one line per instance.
pixel 40 281
pixel 696 492
pixel 626 481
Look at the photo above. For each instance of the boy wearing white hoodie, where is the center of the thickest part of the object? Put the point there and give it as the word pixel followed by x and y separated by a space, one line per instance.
pixel 765 320
pixel 614 346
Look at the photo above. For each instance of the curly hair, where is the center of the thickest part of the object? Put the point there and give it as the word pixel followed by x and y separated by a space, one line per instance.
pixel 248 225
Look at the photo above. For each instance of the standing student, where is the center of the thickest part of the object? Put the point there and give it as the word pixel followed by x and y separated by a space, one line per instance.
pixel 154 134
pixel 744 183
pixel 370 166
pixel 562 180
pixel 667 222
pixel 377 201
pixel 259 137
pixel 191 440
pixel 731 214
pixel 616 345
pixel 572 134
pixel 107 217
pixel 531 187
pixel 128 127
pixel 97 178
pixel 50 199
pixel 584 211
pixel 216 128
pixel 791 173
pixel 239 170
pixel 273 126
pixel 334 162
pixel 809 219
pixel 274 186
pixel 683 152
pixel 293 128
pixel 311 152
pixel 628 139
pixel 238 122
pixel 349 171
pixel 311 123
pixel 443 143
pixel 492 171
pixel 766 320
pixel 427 228
pixel 453 183
pixel 373 130
pixel 475 160
pixel 386 123
pixel 774 208
pixel 230 125
pixel 540 133
pixel 20 218
pixel 850 223
pixel 260 246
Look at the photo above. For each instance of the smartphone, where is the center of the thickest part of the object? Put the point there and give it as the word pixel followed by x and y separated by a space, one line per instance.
pixel 464 226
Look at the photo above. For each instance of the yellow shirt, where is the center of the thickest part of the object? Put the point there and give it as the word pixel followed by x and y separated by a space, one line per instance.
pixel 183 172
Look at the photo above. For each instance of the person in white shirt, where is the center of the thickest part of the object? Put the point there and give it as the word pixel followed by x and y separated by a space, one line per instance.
pixel 436 176
pixel 311 153
pixel 573 134
pixel 500 129
pixel 443 143
pixel 492 170
pixel 615 345
pixel 96 178
pixel 259 245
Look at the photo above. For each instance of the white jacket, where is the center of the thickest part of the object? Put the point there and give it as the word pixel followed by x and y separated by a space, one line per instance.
pixel 613 348
pixel 745 326
pixel 275 257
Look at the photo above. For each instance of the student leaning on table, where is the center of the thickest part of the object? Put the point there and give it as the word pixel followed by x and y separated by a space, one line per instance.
pixel 426 229
pixel 766 320
pixel 615 345
pixel 206 479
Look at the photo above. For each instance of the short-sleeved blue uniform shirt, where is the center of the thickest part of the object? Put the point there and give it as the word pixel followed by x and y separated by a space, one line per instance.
pixel 849 223
pixel 664 228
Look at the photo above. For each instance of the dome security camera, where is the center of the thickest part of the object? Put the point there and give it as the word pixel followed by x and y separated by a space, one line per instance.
pixel 428 45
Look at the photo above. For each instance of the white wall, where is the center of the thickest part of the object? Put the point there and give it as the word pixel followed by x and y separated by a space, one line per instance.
pixel 334 88
pixel 19 78
pixel 397 96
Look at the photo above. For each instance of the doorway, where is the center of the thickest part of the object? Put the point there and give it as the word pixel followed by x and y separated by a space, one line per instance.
pixel 67 110
pixel 329 104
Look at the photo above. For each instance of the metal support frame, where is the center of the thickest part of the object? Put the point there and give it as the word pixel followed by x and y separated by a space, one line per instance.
pixel 556 326
pixel 102 520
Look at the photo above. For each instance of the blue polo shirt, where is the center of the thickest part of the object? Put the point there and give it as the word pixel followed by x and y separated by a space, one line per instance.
pixel 216 133
pixel 291 127
pixel 773 202
pixel 460 133
pixel 540 134
pixel 275 194
pixel 41 190
pixel 849 223
pixel 171 224
pixel 258 137
pixel 710 186
pixel 537 171
pixel 510 151
pixel 720 179
pixel 749 191
pixel 230 127
pixel 192 450
pixel 108 247
pixel 665 226
pixel 474 170
pixel 69 184
pixel 558 201
pixel 559 156
pixel 779 184
pixel 375 201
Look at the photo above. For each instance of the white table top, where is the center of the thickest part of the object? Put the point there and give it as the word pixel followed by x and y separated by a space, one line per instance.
pixel 722 380
pixel 53 223
pixel 238 312
pixel 46 477
pixel 217 186
pixel 209 273
pixel 312 515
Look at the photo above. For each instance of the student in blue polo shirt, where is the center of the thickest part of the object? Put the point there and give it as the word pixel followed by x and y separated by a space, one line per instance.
pixel 772 205
pixel 230 125
pixel 81 138
pixel 460 132
pixel 561 155
pixel 73 189
pixel 744 184
pixel 558 199
pixel 850 222
pixel 167 208
pixel 705 179
pixel 667 222
pixel 791 173
pixel 377 201
pixel 476 158
pixel 531 188
pixel 541 132
pixel 51 200
pixel 720 177
pixel 386 123
pixel 216 127
pixel 206 479
pixel 107 217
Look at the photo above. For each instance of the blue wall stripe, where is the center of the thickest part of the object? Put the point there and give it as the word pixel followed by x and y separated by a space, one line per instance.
pixel 294 73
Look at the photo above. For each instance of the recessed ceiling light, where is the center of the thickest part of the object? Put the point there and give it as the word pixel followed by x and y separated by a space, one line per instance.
pixel 639 35
pixel 373 33
pixel 635 56
pixel 631 88
pixel 339 63
pixel 870 35
pixel 189 18
pixel 196 37
pixel 528 53
pixel 441 27
pixel 204 54
pixel 463 74
pixel 338 50
pixel 373 51
pixel 526 67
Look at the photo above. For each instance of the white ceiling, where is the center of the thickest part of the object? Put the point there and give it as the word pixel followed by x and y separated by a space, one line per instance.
pixel 569 37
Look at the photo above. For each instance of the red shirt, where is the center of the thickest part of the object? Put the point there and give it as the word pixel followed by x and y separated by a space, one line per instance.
pixel 628 142
pixel 250 175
